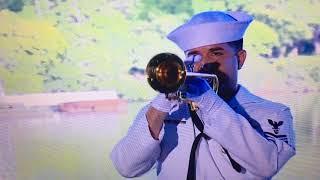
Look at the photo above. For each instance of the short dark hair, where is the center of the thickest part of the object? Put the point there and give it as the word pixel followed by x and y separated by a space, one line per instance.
pixel 236 45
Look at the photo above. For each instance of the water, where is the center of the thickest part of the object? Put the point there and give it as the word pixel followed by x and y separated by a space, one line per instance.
pixel 41 143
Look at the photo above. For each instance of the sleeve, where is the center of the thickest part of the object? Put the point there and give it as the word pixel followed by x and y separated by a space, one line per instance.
pixel 261 154
pixel 137 152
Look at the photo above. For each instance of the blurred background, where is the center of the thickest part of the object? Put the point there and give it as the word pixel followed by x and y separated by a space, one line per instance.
pixel 72 77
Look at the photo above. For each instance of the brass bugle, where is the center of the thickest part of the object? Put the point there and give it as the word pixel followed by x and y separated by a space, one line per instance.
pixel 166 73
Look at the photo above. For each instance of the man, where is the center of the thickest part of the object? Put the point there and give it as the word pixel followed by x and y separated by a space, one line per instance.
pixel 233 135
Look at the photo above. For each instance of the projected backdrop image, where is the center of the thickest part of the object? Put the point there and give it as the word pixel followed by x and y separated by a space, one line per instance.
pixel 72 77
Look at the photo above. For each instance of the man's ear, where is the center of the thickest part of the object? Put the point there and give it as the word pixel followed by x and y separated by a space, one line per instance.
pixel 241 56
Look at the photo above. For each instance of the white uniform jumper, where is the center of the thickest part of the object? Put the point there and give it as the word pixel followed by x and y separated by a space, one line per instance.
pixel 257 133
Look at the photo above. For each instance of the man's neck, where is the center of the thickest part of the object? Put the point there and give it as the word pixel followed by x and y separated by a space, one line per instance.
pixel 230 93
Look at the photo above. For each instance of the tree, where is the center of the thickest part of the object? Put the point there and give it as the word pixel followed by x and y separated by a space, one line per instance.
pixel 166 6
pixel 12 5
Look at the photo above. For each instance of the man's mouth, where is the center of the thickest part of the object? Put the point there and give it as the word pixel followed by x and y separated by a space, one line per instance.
pixel 213 68
pixel 210 68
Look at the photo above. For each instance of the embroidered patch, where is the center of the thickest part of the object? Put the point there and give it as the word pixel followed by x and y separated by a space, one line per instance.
pixel 275 125
pixel 271 137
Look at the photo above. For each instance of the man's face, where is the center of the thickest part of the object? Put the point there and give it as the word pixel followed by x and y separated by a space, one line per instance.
pixel 223 61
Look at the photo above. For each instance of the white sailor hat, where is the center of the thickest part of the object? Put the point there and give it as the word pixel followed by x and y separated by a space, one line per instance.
pixel 210 27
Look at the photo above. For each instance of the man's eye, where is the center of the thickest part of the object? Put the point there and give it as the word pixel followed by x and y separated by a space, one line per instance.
pixel 216 53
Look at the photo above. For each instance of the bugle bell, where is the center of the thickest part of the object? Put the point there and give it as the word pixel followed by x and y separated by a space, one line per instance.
pixel 166 73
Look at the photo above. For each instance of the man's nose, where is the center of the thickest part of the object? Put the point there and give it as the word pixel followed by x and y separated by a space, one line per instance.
pixel 200 64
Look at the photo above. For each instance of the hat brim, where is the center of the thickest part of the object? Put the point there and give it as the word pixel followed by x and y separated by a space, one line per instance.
pixel 192 36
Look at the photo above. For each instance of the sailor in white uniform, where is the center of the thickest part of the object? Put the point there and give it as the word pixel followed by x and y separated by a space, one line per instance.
pixel 233 135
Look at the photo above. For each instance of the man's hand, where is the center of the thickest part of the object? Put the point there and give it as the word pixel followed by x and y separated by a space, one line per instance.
pixel 194 87
pixel 161 103
pixel 199 91
pixel 158 111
